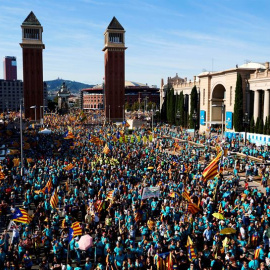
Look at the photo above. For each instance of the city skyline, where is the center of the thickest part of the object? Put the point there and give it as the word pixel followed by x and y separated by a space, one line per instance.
pixel 163 37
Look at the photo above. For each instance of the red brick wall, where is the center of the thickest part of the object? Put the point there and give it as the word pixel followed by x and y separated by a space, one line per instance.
pixel 32 81
pixel 114 83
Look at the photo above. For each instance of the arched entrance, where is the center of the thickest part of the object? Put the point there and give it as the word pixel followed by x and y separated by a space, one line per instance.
pixel 218 100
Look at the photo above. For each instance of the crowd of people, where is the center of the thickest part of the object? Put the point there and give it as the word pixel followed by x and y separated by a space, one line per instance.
pixel 100 175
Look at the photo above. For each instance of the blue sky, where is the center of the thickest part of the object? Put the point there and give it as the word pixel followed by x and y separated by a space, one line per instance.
pixel 163 37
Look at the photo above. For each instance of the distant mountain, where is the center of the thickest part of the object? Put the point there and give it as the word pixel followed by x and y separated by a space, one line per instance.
pixel 73 87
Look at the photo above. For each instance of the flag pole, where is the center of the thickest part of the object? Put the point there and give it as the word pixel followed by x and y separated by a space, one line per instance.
pixel 21 137
pixel 67 252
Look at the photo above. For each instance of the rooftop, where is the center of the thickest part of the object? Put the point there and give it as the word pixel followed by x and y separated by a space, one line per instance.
pixel 115 25
pixel 31 19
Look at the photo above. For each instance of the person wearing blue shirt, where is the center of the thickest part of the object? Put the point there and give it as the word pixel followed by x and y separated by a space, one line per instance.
pixel 119 259
pixel 88 264
pixel 253 264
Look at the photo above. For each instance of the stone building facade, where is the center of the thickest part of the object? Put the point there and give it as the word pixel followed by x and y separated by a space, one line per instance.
pixel 217 93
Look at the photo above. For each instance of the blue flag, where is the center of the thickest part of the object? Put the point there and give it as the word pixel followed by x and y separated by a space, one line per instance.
pixel 70 234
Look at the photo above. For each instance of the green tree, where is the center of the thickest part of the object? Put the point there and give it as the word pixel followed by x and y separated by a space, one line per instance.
pixel 252 125
pixel 171 106
pixel 127 106
pixel 177 120
pixel 193 105
pixel 268 126
pixel 163 112
pixel 256 129
pixel 260 130
pixel 181 108
pixel 238 105
pixel 265 127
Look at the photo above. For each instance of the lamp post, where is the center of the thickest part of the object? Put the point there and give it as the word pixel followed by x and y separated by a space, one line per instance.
pixel 246 124
pixel 21 136
pixel 222 106
pixel 178 116
pixel 109 114
pixel 152 116
pixel 41 118
pixel 35 107
pixel 194 117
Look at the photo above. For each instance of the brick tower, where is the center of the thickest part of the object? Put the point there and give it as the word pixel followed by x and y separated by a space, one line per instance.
pixel 114 54
pixel 32 48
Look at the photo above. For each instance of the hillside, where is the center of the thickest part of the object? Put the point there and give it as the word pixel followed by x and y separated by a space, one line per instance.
pixel 74 87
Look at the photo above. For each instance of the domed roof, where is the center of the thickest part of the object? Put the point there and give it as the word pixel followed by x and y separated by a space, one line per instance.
pixel 134 84
pixel 253 65
pixel 98 86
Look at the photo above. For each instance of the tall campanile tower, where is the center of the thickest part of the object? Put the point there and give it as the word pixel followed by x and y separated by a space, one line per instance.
pixel 114 51
pixel 32 47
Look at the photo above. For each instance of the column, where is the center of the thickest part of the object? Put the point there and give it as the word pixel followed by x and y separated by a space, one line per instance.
pixel 266 104
pixel 256 105
pixel 189 104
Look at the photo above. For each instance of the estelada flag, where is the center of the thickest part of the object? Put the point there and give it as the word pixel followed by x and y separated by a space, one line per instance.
pixel 2 176
pixel 16 162
pixel 54 199
pixel 68 135
pixel 106 149
pixel 191 252
pixel 174 194
pixel 109 195
pixel 257 253
pixel 164 261
pixel 220 209
pixel 186 195
pixel 21 215
pixel 211 170
pixel 193 208
pixel 46 189
pixel 69 167
pixel 77 230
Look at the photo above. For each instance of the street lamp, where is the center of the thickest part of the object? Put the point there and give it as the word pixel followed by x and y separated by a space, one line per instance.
pixel 246 124
pixel 35 107
pixel 222 106
pixel 194 117
pixel 41 118
pixel 178 116
pixel 21 135
pixel 152 116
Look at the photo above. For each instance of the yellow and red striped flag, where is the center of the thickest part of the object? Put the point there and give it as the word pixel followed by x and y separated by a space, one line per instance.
pixel 77 230
pixel 106 149
pixel 54 199
pixel 191 252
pixel 2 176
pixel 212 169
pixel 46 189
pixel 21 215
pixel 193 208
pixel 220 209
pixel 164 261
pixel 69 167
pixel 186 195
pixel 109 195
pixel 257 253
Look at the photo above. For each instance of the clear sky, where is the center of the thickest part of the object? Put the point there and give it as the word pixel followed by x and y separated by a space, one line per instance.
pixel 163 37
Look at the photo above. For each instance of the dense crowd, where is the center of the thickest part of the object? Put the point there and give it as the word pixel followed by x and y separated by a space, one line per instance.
pixel 102 189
